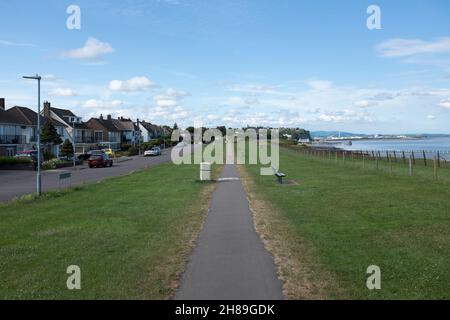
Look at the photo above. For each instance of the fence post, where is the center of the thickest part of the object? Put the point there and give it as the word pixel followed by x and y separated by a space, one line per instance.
pixel 390 164
pixel 404 158
pixel 363 158
pixel 413 157
pixel 424 158
pixel 439 159
pixel 435 168
pixel 410 166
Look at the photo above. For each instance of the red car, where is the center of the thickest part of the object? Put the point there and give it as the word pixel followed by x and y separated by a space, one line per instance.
pixel 100 160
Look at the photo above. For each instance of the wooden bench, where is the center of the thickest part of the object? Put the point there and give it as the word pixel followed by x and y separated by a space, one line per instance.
pixel 280 176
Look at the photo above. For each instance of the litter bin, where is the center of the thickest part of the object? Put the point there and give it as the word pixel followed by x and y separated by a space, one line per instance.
pixel 205 171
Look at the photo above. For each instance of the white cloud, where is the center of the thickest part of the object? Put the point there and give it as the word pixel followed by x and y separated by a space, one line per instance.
pixel 15 44
pixel 92 50
pixel 445 103
pixel 345 115
pixel 49 77
pixel 99 104
pixel 362 103
pixel 170 98
pixel 63 92
pixel 431 117
pixel 131 85
pixel 319 84
pixel 395 48
pixel 253 88
pixel 168 106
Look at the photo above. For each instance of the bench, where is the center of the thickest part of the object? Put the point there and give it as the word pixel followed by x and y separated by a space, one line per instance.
pixel 280 176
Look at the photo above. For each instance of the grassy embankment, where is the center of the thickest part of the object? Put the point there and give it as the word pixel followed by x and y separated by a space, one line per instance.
pixel 129 235
pixel 339 219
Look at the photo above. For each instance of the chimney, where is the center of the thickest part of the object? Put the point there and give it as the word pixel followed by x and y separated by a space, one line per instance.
pixel 46 109
pixel 101 116
pixel 109 117
pixel 2 104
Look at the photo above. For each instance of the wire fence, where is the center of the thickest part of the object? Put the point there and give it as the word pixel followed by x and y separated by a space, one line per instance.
pixel 426 163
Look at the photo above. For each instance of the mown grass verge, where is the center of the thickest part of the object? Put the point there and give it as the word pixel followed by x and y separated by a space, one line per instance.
pixel 129 235
pixel 343 219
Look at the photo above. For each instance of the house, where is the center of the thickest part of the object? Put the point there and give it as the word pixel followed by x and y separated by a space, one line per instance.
pixel 304 140
pixel 105 133
pixel 130 133
pixel 150 131
pixel 18 129
pixel 75 129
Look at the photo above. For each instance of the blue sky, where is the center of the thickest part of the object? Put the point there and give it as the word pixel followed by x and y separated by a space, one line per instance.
pixel 311 64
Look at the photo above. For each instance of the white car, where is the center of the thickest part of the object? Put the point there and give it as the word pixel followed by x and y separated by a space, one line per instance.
pixel 155 151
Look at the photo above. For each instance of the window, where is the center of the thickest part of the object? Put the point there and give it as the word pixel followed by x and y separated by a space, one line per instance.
pixel 98 135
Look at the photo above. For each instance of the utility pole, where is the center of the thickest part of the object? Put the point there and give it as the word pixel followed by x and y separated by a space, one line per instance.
pixel 38 175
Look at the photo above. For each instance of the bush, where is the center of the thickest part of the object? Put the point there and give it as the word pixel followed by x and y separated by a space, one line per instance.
pixel 125 147
pixel 133 151
pixel 13 160
pixel 52 164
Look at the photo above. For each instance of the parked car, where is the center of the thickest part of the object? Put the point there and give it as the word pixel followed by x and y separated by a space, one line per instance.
pixel 155 151
pixel 109 152
pixel 84 156
pixel 100 160
pixel 31 154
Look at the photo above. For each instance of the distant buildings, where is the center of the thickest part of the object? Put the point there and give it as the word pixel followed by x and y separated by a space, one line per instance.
pixel 18 127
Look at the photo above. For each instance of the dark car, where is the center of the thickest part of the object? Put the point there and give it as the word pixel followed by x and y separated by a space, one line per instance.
pixel 32 155
pixel 100 160
pixel 84 156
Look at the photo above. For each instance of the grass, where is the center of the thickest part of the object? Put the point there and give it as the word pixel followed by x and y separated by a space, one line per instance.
pixel 339 219
pixel 130 236
pixel 394 166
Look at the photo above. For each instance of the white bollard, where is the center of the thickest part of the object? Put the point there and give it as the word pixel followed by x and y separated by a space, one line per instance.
pixel 205 171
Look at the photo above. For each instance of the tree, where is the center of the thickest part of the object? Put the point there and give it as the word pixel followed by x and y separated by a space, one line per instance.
pixel 191 130
pixel 49 134
pixel 175 126
pixel 66 149
pixel 223 130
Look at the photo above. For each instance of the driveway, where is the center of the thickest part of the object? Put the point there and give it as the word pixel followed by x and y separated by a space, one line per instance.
pixel 18 183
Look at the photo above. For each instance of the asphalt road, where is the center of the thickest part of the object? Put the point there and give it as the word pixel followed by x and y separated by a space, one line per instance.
pixel 18 183
pixel 229 261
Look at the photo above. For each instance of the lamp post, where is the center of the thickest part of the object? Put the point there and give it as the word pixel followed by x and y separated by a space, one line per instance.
pixel 38 175
pixel 73 146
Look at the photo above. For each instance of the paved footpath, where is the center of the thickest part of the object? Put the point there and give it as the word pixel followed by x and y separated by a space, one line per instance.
pixel 229 261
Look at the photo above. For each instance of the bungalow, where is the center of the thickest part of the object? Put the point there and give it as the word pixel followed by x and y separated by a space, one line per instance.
pixel 150 131
pixel 75 128
pixel 129 130
pixel 105 133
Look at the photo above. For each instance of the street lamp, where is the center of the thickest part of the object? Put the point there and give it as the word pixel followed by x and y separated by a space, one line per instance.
pixel 73 146
pixel 38 175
